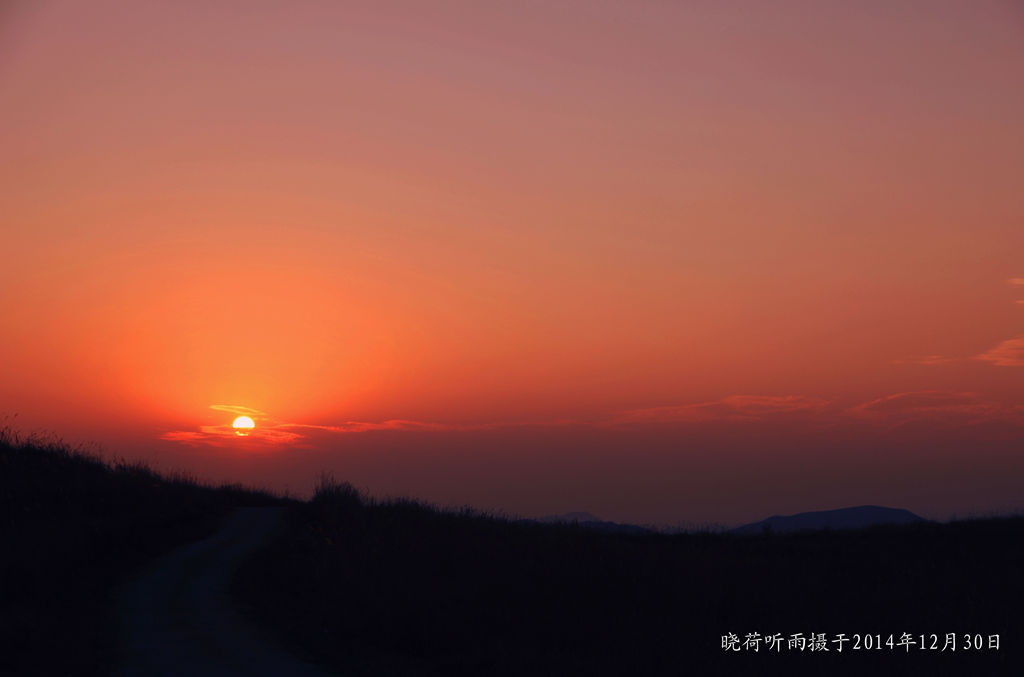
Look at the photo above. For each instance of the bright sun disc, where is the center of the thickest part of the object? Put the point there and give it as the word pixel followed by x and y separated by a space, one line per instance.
pixel 243 423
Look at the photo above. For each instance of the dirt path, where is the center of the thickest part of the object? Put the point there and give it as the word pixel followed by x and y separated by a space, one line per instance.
pixel 176 619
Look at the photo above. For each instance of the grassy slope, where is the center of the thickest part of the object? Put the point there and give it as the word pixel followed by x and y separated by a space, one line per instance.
pixel 398 588
pixel 71 529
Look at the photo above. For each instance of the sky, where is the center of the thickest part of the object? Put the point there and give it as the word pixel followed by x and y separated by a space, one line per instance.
pixel 670 263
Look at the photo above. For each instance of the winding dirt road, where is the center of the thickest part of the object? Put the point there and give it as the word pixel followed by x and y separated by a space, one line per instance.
pixel 176 617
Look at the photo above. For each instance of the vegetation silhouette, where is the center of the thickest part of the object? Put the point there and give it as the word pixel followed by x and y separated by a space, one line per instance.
pixel 400 587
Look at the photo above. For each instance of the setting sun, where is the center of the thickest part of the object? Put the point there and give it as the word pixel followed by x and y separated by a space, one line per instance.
pixel 243 424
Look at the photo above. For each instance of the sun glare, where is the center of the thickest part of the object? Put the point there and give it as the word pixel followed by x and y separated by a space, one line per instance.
pixel 242 425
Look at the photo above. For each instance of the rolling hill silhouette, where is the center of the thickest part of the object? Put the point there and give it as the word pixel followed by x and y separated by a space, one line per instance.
pixel 857 517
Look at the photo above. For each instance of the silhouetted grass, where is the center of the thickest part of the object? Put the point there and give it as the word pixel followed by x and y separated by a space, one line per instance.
pixel 72 528
pixel 401 588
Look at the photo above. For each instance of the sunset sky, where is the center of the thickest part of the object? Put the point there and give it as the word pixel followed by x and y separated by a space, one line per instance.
pixel 666 262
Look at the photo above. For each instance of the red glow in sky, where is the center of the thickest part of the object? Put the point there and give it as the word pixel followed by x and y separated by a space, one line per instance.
pixel 665 262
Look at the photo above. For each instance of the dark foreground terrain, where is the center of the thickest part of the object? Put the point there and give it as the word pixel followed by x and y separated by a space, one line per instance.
pixel 363 587
pixel 176 618
pixel 72 530
pixel 400 588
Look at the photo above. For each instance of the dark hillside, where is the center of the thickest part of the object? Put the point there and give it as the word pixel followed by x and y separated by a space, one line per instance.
pixel 400 588
pixel 857 517
pixel 71 529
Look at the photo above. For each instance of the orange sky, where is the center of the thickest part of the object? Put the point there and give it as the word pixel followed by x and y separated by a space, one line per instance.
pixel 533 256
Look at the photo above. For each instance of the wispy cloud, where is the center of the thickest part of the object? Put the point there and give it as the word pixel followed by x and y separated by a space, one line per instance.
pixel 220 435
pixel 922 401
pixel 929 360
pixel 742 407
pixel 1017 282
pixel 934 406
pixel 271 431
pixel 392 424
pixel 237 410
pixel 938 407
pixel 1009 353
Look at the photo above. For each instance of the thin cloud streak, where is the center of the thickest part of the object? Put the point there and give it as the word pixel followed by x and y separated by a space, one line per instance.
pixel 1009 353
pixel 936 406
pixel 927 360
pixel 392 424
pixel 742 407
pixel 239 411
pixel 917 402
pixel 221 435
pixel 270 431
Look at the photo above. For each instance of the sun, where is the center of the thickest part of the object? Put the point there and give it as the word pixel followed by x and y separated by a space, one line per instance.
pixel 242 425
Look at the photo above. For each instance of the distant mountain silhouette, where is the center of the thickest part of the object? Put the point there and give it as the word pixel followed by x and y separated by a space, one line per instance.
pixel 843 518
pixel 570 517
pixel 590 521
